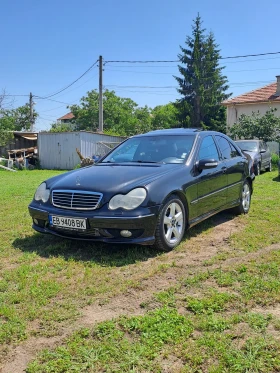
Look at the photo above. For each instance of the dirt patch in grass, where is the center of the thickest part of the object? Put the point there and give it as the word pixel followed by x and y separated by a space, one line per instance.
pixel 189 257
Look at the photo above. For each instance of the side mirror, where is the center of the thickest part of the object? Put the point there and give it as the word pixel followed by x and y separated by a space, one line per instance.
pixel 262 151
pixel 205 164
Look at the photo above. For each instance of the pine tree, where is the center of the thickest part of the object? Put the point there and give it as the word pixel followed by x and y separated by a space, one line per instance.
pixel 202 83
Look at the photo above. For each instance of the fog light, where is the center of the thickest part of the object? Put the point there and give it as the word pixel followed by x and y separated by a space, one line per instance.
pixel 126 233
pixel 36 221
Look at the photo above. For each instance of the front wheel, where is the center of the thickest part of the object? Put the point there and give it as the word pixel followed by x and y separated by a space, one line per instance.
pixel 171 224
pixel 245 199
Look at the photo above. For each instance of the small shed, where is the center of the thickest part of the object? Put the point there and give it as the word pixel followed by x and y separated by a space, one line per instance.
pixel 57 150
pixel 19 140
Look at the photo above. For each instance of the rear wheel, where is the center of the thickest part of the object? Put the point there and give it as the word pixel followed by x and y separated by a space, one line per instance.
pixel 258 169
pixel 269 168
pixel 171 224
pixel 245 199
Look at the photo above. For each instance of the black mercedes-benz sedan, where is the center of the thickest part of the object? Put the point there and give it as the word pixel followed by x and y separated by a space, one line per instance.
pixel 147 190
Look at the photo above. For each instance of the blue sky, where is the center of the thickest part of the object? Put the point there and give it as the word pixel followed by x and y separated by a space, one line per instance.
pixel 45 45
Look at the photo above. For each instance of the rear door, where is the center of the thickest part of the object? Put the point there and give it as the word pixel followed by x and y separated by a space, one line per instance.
pixel 265 155
pixel 236 164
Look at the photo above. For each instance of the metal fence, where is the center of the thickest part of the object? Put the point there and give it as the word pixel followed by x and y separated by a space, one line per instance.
pixel 104 147
pixel 274 147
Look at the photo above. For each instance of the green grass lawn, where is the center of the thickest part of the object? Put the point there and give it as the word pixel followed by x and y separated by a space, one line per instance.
pixel 213 320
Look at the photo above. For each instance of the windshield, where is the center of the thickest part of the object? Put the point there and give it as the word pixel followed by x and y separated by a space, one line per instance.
pixel 153 149
pixel 251 146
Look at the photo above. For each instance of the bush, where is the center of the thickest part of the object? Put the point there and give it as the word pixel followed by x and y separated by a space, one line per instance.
pixel 274 159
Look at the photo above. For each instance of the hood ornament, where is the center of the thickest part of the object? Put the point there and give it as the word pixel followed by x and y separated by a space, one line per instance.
pixel 78 180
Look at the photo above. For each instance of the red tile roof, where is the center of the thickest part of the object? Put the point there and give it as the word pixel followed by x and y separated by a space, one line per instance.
pixel 67 116
pixel 264 94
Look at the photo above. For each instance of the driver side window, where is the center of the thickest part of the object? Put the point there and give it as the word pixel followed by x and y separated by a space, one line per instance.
pixel 208 149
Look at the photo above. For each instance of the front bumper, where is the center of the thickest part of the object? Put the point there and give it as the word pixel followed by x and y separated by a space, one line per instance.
pixel 100 226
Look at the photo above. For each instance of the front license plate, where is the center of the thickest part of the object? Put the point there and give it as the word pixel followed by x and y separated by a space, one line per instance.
pixel 69 223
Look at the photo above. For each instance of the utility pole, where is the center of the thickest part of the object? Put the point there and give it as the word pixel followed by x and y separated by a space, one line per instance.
pixel 31 103
pixel 100 94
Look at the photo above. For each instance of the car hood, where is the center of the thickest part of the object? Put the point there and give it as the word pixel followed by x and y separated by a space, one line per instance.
pixel 111 178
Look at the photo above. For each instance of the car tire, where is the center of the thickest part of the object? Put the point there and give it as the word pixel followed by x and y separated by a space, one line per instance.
pixel 171 223
pixel 245 199
pixel 269 168
pixel 258 169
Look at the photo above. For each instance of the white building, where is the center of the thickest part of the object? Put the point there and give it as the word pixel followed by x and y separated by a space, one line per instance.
pixel 261 99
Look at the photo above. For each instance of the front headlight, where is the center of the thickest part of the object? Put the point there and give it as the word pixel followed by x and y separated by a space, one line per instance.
pixel 129 201
pixel 42 193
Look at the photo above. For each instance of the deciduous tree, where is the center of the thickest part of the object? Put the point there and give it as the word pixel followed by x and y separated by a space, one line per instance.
pixel 14 120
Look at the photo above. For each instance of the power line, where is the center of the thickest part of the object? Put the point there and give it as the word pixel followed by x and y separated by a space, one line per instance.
pixel 45 119
pixel 74 89
pixel 69 85
pixel 57 107
pixel 49 99
pixel 250 55
pixel 174 87
pixel 152 72
pixel 229 62
pixel 139 86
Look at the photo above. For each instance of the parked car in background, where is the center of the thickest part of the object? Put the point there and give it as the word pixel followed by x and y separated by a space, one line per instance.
pixel 259 152
pixel 147 190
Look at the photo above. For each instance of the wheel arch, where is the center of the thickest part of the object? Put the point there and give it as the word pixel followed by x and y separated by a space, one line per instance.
pixel 250 183
pixel 182 197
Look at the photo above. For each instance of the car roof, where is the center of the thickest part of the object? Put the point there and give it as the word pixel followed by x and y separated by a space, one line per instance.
pixel 176 131
pixel 256 140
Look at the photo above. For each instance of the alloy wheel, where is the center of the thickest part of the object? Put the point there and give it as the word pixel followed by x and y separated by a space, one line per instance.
pixel 246 197
pixel 173 223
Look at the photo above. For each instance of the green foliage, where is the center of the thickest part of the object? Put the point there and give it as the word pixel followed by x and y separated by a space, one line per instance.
pixel 126 345
pixel 5 137
pixel 14 120
pixel 215 323
pixel 213 302
pixel 262 224
pixel 258 321
pixel 256 126
pixel 274 159
pixel 202 83
pixel 122 116
pixel 165 116
pixel 194 326
pixel 61 127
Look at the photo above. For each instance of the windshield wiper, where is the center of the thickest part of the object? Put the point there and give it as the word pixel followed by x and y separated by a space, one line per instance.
pixel 140 161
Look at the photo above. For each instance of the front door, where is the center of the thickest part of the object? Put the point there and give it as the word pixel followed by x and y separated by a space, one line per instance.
pixel 235 166
pixel 211 183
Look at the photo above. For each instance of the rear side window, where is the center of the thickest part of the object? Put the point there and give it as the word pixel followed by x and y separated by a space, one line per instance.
pixel 228 151
pixel 208 149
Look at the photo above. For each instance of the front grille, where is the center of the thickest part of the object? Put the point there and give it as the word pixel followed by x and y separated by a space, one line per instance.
pixel 90 233
pixel 76 200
